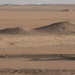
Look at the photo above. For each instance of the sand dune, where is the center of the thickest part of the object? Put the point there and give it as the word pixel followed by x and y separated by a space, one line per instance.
pixel 57 28
pixel 16 30
pixel 67 10
pixel 60 33
pixel 62 28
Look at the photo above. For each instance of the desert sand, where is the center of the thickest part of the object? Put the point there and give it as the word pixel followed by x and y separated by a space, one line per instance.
pixel 37 40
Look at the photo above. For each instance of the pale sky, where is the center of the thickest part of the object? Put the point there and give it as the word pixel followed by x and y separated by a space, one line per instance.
pixel 37 1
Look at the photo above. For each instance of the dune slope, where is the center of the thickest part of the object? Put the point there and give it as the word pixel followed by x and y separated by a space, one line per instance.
pixel 16 30
pixel 57 28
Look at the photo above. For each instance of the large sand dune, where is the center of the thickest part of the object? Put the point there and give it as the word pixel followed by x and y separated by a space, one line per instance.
pixel 57 28
pixel 62 28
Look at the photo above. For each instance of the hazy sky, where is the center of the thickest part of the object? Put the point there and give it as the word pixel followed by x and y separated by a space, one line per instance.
pixel 36 1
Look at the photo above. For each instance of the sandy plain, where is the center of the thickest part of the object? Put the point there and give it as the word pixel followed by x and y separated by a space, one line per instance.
pixel 29 17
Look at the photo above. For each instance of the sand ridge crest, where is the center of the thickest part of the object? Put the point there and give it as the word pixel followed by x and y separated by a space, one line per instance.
pixel 65 27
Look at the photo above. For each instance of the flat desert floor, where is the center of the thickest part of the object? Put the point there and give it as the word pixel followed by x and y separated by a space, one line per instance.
pixel 31 54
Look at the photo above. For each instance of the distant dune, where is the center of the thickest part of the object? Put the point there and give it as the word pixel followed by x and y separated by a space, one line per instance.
pixel 67 10
pixel 57 28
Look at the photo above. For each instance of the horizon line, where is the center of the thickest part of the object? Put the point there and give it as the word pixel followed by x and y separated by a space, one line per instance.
pixel 40 4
